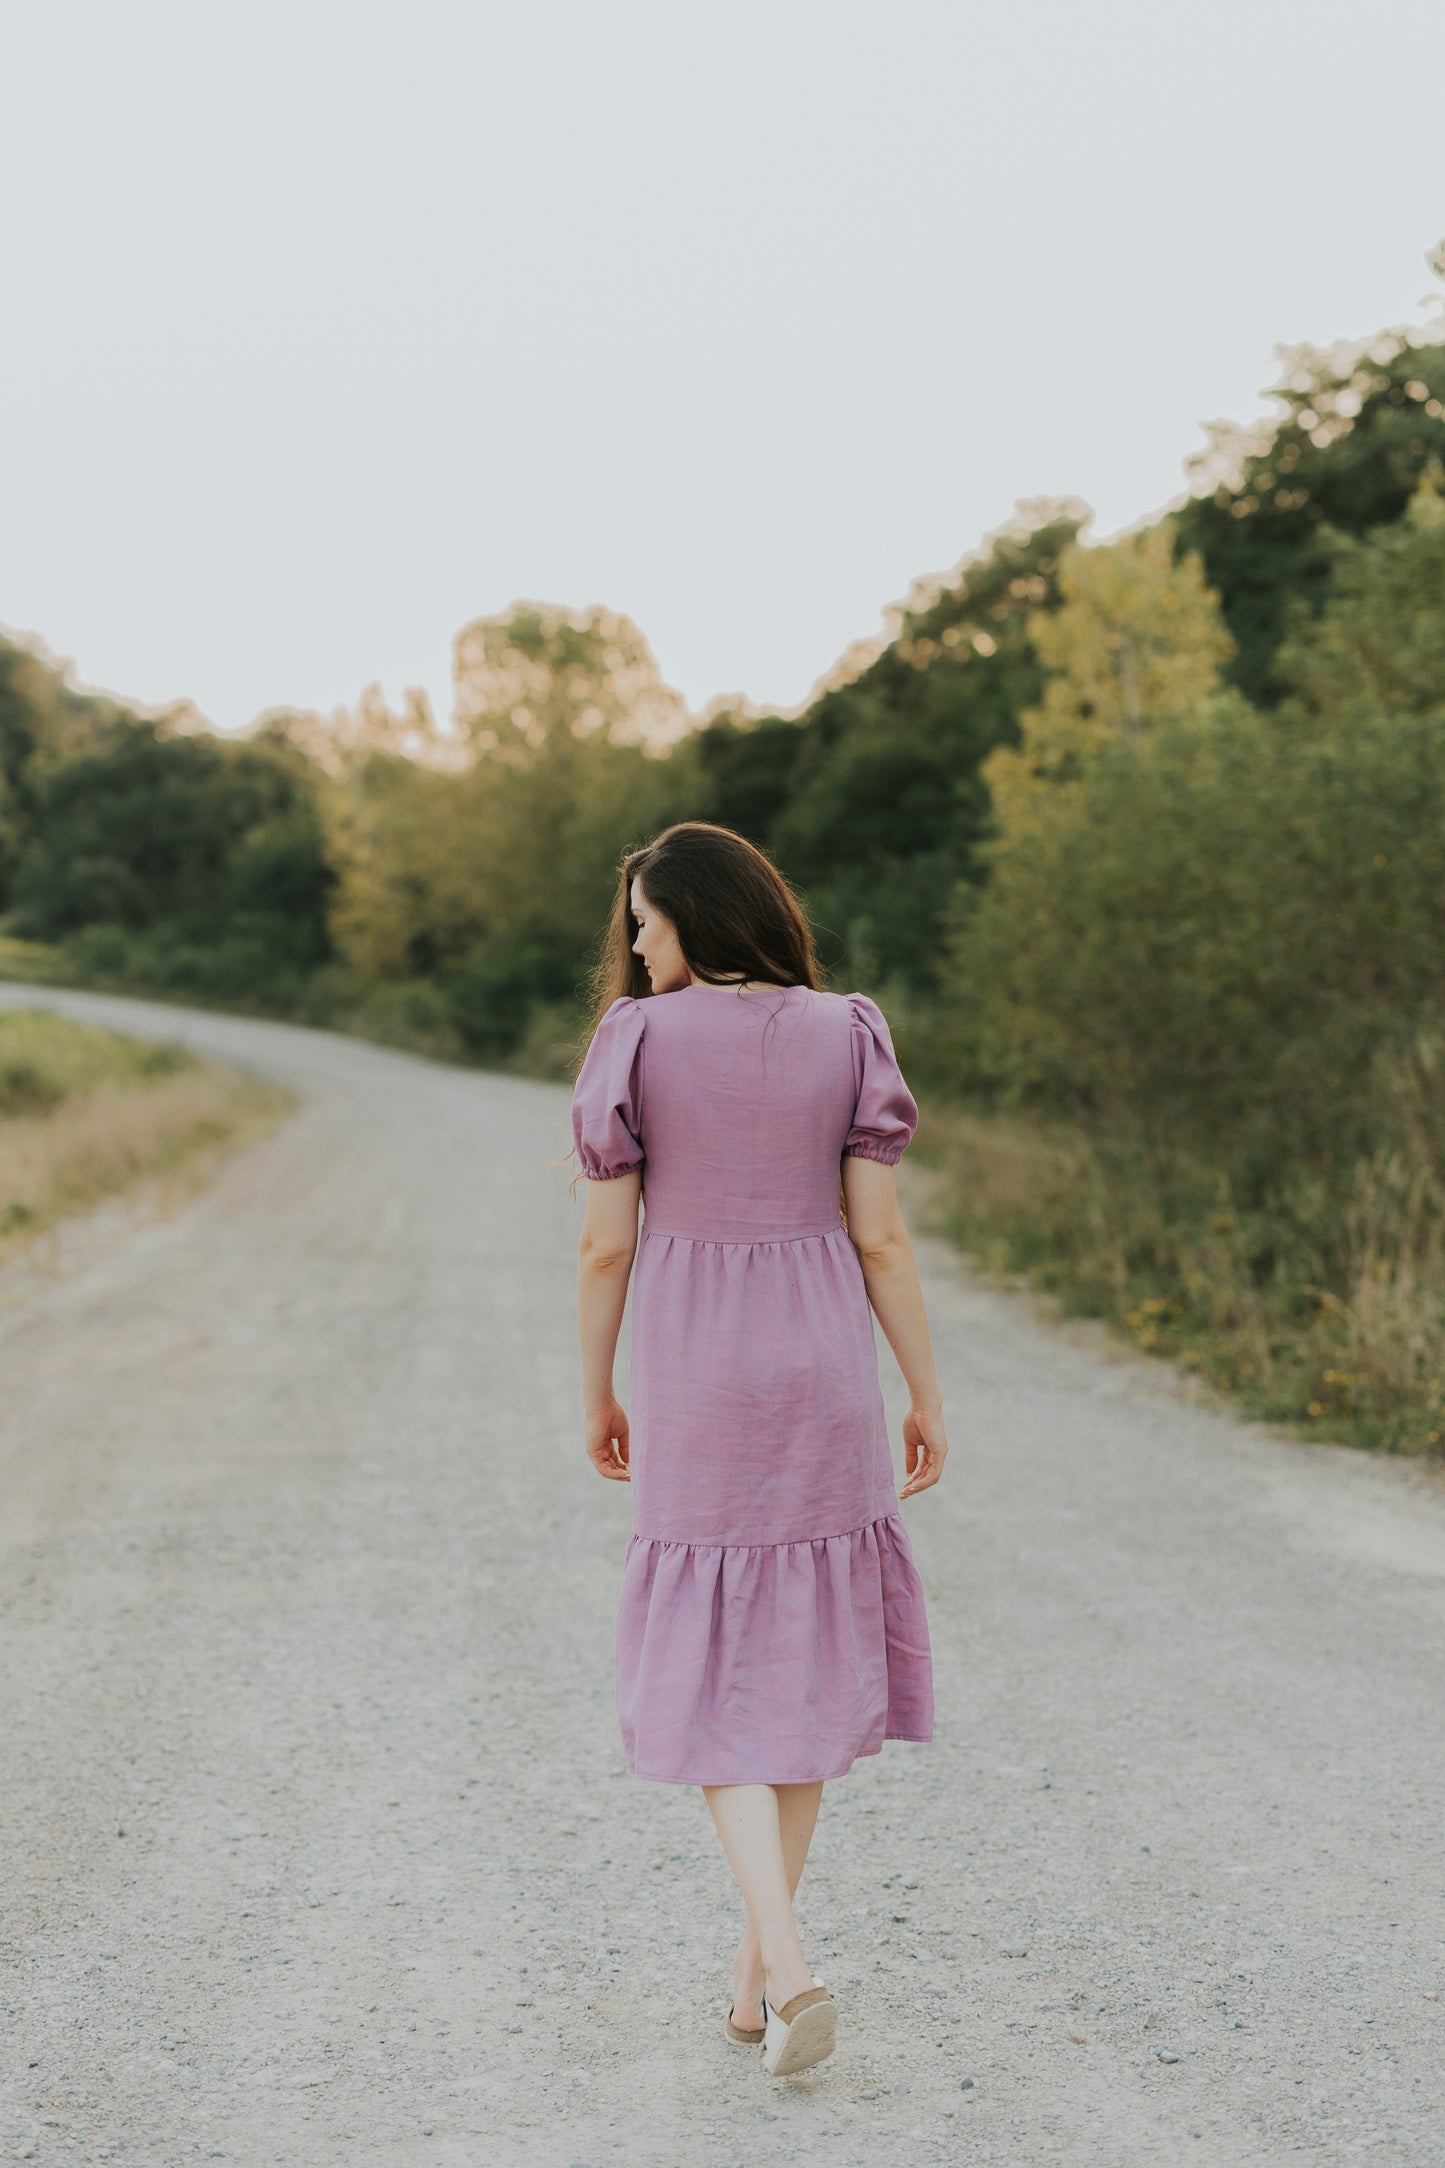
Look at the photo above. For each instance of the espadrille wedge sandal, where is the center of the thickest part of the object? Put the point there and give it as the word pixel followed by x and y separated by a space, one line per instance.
pixel 803 2032
pixel 743 2036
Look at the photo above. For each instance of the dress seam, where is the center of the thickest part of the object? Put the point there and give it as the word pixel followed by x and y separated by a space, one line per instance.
pixel 785 1543
pixel 756 1242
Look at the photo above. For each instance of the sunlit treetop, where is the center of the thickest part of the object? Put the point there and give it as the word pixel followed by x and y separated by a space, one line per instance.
pixel 1354 428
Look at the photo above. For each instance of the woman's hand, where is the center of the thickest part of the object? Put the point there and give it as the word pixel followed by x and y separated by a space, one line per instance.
pixel 607 1437
pixel 925 1448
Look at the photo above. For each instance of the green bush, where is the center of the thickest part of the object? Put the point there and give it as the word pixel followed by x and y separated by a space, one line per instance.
pixel 490 998
pixel 408 1013
pixel 208 842
pixel 1209 971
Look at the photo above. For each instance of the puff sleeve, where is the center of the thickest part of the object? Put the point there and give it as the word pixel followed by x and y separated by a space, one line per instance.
pixel 886 1114
pixel 607 1097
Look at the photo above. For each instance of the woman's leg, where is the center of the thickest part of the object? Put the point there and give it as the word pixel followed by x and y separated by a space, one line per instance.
pixel 766 1830
pixel 798 1806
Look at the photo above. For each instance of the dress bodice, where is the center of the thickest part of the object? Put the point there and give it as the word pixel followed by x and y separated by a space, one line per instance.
pixel 738 1105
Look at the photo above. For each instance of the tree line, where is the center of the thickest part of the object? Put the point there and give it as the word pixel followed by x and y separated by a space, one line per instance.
pixel 1139 843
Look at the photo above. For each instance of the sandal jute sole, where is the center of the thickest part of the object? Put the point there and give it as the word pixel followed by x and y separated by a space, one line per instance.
pixel 743 2036
pixel 803 2032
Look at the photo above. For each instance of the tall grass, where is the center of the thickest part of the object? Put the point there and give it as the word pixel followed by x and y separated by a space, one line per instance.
pixel 86 1114
pixel 1323 1309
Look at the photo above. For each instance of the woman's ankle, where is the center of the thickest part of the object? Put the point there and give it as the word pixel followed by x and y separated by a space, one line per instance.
pixel 748 1968
pixel 786 1977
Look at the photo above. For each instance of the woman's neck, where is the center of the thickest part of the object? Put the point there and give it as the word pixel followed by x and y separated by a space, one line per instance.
pixel 727 986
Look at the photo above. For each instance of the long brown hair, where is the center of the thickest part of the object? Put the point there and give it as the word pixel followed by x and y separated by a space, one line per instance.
pixel 735 915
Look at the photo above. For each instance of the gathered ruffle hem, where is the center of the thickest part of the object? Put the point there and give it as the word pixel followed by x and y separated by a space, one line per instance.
pixel 775 1663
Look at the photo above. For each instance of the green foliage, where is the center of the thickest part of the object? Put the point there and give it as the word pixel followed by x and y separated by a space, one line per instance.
pixel 42 723
pixel 1135 641
pixel 201 845
pixel 1380 645
pixel 1219 929
pixel 746 772
pixel 536 673
pixel 1215 955
pixel 490 997
pixel 1160 1246
pixel 493 880
pixel 874 803
pixel 1358 431
pixel 1220 917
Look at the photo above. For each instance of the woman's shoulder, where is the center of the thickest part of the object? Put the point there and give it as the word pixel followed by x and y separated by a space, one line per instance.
pixel 674 1018
pixel 626 1005
pixel 856 1004
pixel 622 1018
pixel 871 1035
pixel 865 1016
pixel 616 1036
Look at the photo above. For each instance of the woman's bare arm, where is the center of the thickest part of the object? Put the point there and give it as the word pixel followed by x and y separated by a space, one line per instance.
pixel 890 1274
pixel 604 1266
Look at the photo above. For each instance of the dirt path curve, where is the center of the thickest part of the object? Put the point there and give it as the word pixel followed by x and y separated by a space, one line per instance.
pixel 317 1844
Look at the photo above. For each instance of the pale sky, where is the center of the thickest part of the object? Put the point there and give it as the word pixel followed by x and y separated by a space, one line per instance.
pixel 331 326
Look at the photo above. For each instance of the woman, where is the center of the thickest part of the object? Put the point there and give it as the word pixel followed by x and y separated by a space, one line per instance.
pixel 772 1626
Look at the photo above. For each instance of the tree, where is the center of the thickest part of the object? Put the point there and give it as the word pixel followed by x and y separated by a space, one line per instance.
pixel 43 722
pixel 495 881
pixel 336 743
pixel 873 801
pixel 747 766
pixel 1223 932
pixel 1360 425
pixel 1136 638
pixel 212 840
pixel 537 670
pixel 1379 646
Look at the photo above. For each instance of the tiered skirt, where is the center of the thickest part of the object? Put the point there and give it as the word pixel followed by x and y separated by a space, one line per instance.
pixel 776 1663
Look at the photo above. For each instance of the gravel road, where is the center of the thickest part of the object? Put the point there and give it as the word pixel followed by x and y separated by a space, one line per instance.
pixel 318 1845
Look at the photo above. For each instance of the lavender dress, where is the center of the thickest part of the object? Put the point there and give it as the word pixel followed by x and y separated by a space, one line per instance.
pixel 771 1626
